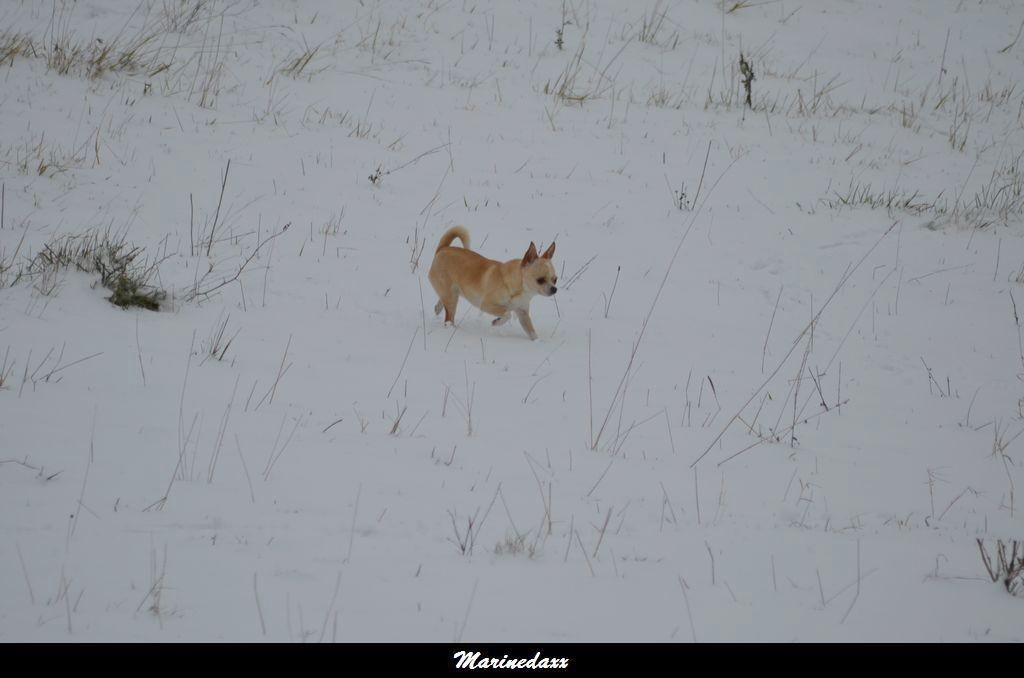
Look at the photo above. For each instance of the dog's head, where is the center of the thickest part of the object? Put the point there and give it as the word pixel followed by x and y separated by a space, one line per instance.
pixel 538 272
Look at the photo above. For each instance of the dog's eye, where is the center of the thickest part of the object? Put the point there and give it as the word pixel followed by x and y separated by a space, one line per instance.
pixel 540 281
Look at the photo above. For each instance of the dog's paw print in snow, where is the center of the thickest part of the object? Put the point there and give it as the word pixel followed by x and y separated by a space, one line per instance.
pixel 936 224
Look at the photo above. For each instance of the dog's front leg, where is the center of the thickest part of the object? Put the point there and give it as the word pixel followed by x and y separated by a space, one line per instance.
pixel 524 320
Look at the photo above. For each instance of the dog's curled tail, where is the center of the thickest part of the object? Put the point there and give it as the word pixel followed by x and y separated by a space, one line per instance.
pixel 451 234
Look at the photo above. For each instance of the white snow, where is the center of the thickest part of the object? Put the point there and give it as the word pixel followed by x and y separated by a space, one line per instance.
pixel 315 483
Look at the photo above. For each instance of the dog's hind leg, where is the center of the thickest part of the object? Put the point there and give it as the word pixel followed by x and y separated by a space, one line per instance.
pixel 450 301
pixel 495 309
pixel 447 295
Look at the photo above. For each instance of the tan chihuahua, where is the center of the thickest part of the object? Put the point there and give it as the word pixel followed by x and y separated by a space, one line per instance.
pixel 498 288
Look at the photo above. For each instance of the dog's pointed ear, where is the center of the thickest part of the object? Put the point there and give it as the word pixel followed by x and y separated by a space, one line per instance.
pixel 531 255
pixel 549 252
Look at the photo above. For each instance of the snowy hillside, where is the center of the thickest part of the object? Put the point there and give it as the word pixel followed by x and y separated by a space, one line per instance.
pixel 777 396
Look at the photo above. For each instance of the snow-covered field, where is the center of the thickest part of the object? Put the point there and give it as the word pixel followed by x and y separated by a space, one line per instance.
pixel 776 398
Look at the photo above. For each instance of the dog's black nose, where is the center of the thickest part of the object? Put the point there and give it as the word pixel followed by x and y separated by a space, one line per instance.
pixel 553 289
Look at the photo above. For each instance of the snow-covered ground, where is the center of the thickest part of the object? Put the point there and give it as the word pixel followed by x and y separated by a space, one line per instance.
pixel 804 442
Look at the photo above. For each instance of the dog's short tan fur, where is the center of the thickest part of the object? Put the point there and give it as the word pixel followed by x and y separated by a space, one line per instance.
pixel 495 287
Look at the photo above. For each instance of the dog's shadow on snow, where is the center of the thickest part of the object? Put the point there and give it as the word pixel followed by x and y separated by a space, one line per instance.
pixel 479 326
